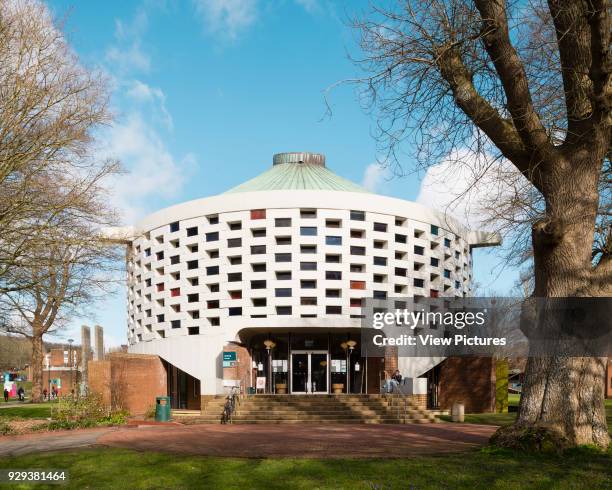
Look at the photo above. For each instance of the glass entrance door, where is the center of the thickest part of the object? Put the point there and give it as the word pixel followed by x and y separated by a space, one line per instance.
pixel 299 373
pixel 309 372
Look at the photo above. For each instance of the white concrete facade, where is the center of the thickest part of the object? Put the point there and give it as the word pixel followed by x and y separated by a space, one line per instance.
pixel 201 271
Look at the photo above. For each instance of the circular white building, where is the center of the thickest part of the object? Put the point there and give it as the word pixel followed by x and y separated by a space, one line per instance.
pixel 275 271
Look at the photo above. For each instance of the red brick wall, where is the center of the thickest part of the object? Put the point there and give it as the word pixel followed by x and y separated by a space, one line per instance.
pixel 129 381
pixel 468 380
pixel 64 376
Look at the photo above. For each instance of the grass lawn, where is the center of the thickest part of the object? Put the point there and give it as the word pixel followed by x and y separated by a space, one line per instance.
pixel 115 468
pixel 508 418
pixel 27 411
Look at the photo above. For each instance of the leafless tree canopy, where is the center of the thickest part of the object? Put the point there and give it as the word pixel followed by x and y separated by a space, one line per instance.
pixel 49 107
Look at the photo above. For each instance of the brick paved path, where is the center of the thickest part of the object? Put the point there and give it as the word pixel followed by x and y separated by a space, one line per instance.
pixel 327 441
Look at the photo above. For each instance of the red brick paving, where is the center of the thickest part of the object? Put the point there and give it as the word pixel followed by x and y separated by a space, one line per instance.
pixel 253 441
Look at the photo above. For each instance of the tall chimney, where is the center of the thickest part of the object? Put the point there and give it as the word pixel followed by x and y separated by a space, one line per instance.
pixel 85 356
pixel 99 343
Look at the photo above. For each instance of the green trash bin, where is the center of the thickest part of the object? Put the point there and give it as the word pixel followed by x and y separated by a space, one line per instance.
pixel 162 409
pixel 251 390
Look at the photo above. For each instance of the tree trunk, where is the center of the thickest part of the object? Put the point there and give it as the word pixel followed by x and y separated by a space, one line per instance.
pixel 566 393
pixel 37 368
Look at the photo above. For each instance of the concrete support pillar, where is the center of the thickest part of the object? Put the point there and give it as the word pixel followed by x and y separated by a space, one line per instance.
pixel 98 343
pixel 85 357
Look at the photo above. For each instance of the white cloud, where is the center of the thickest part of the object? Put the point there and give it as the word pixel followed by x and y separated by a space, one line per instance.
pixel 127 54
pixel 155 97
pixel 466 186
pixel 227 18
pixel 373 176
pixel 154 174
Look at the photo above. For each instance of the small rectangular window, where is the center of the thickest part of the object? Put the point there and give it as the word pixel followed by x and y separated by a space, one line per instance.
pixel 283 240
pixel 175 324
pixel 174 292
pixel 159 255
pixel 333 310
pixel 212 236
pixel 212 304
pixel 283 310
pixel 212 270
pixel 282 292
pixel 380 227
pixel 235 311
pixel 358 215
pixel 283 276
pixel 259 267
pixel 418 250
pixel 434 230
pixel 234 242
pixel 333 258
pixel 418 283
pixel 308 249
pixel 258 232
pixel 213 219
pixel 355 250
pixel 308 213
pixel 284 257
pixel 174 227
pixel 379 294
pixel 333 240
pixel 308 301
pixel 235 225
pixel 400 271
pixel 357 233
pixel 308 266
pixel 193 298
pixel 357 267
pixel 447 242
pixel 258 213
pixel 332 293
pixel 260 302
pixel 356 302
pixel 333 275
pixel 192 264
pixel 308 230
pixel 400 238
pixel 308 284
pixel 236 260
pixel 358 285
pixel 259 284
pixel 235 294
pixel 333 223
pixel 160 287
pixel 258 249
pixel 380 260
pixel 175 259
pixel 214 321
pixel 193 231
pixel 282 222
pixel 434 262
pixel 193 330
pixel 234 277
pixel 214 288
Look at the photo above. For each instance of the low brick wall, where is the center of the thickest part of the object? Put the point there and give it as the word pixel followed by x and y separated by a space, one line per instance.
pixel 468 380
pixel 129 381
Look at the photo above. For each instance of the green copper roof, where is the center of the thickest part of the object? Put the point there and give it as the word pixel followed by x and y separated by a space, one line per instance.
pixel 298 171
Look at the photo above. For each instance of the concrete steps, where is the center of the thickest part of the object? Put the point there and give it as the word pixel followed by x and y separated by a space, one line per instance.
pixel 317 409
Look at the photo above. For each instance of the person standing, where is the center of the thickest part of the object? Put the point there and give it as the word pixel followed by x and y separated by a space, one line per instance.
pixel 6 395
pixel 21 394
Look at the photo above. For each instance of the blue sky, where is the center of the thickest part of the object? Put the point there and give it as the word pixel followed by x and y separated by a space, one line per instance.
pixel 205 91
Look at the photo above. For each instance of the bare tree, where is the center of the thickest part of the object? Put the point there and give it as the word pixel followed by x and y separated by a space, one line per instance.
pixel 68 275
pixel 49 107
pixel 527 83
